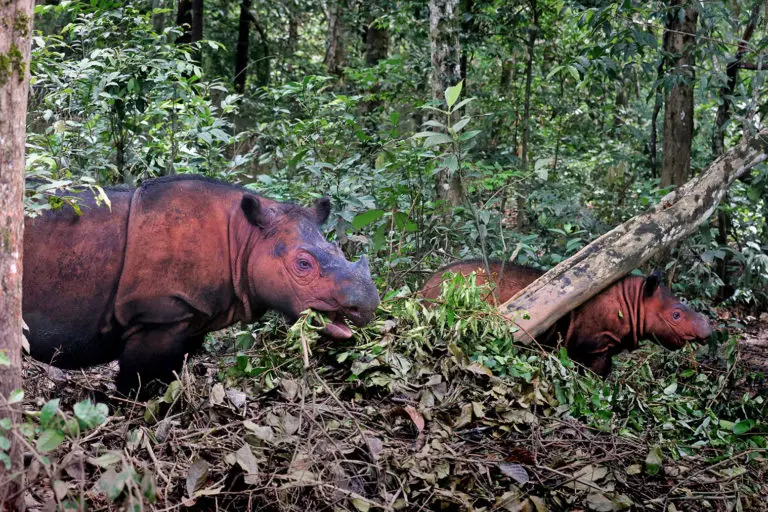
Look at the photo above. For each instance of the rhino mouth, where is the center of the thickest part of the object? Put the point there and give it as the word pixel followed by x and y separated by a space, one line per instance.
pixel 336 327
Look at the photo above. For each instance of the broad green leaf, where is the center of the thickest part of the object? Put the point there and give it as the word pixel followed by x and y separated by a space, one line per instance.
pixel 436 124
pixel 361 505
pixel 16 396
pixel 461 124
pixel 172 392
pixel 90 415
pixel 48 412
pixel 671 389
pixel 106 460
pixel 112 484
pixel 469 135
pixel 743 426
pixel 451 163
pixel 462 103
pixel 363 219
pixel 653 460
pixel 49 440
pixel 437 138
pixel 452 93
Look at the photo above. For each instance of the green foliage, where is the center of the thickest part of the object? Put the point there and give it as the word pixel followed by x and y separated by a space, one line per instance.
pixel 119 102
pixel 653 393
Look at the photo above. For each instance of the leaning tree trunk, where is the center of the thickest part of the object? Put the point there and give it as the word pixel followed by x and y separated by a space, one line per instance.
pixel 334 43
pixel 446 72
pixel 631 244
pixel 679 45
pixel 15 35
pixel 241 52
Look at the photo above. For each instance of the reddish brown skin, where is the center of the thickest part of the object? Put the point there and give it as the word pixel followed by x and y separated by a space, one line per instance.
pixel 616 319
pixel 172 261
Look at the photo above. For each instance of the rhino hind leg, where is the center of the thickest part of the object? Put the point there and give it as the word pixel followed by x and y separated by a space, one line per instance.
pixel 150 357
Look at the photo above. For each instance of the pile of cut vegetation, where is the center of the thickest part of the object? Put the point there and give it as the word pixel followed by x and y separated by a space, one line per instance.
pixel 430 410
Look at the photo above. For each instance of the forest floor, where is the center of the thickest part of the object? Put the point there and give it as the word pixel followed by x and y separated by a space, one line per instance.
pixel 454 438
pixel 754 346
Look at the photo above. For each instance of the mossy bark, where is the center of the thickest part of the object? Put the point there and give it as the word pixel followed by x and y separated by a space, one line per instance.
pixel 14 86
pixel 445 47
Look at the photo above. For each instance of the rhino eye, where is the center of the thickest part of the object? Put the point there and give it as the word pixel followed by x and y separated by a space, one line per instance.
pixel 304 264
pixel 675 315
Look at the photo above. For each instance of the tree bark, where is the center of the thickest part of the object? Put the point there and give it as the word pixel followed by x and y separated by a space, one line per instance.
pixel 293 36
pixel 533 30
pixel 376 50
pixel 679 45
pixel 446 72
pixel 467 27
pixel 376 43
pixel 653 151
pixel 15 36
pixel 263 64
pixel 334 44
pixel 190 17
pixel 631 244
pixel 158 20
pixel 241 52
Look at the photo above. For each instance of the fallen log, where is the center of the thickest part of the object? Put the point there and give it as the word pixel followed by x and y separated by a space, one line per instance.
pixel 629 245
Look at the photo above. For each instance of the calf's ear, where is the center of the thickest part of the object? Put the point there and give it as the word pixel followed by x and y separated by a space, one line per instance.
pixel 256 213
pixel 652 282
pixel 322 209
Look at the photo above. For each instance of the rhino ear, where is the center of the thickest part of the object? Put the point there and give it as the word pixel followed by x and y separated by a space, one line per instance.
pixel 322 209
pixel 652 282
pixel 254 211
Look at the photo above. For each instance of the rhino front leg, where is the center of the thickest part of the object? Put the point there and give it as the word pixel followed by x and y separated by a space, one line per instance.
pixel 595 353
pixel 151 354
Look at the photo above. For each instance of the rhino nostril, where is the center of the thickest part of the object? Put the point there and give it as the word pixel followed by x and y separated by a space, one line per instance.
pixel 353 310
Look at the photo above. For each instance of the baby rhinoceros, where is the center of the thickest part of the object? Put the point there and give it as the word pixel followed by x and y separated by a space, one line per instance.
pixel 171 261
pixel 614 320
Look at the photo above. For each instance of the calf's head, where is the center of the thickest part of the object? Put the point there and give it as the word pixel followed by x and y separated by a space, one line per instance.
pixel 291 267
pixel 667 320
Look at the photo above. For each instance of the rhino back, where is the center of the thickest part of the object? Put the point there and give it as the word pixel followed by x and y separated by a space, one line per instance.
pixel 177 264
pixel 71 269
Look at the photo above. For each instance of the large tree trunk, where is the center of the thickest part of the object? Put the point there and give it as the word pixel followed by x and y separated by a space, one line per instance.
pixel 293 36
pixel 190 17
pixel 376 49
pixel 653 150
pixel 334 43
pixel 467 27
pixel 679 45
pixel 15 35
pixel 631 244
pixel 376 43
pixel 263 63
pixel 446 72
pixel 241 52
pixel 533 31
